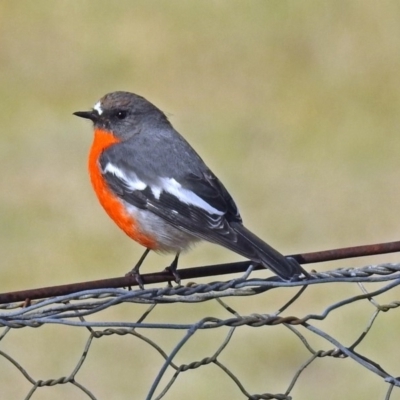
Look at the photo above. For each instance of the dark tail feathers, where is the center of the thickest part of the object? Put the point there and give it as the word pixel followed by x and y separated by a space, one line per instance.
pixel 250 246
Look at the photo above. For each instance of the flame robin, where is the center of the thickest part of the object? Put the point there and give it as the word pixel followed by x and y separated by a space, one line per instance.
pixel 159 191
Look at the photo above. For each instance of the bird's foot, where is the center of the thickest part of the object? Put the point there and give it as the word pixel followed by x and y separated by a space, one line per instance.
pixel 172 269
pixel 135 270
pixel 138 278
pixel 174 273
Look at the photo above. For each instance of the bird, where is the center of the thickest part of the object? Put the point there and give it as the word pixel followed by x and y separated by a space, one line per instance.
pixel 159 191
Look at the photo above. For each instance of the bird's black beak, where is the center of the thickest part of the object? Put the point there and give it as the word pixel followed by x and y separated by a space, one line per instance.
pixel 92 115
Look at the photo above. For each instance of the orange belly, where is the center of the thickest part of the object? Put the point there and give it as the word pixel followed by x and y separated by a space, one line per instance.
pixel 110 202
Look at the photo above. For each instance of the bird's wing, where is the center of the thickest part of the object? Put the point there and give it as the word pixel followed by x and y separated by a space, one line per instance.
pixel 198 203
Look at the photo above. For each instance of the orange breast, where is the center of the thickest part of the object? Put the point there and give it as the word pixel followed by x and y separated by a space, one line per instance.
pixel 110 202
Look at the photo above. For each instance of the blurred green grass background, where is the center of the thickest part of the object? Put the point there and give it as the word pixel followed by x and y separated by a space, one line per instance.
pixel 294 105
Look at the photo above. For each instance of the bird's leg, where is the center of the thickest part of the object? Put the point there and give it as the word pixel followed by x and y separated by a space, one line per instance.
pixel 135 270
pixel 173 269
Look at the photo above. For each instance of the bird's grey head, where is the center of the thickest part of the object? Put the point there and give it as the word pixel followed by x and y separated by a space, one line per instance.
pixel 124 114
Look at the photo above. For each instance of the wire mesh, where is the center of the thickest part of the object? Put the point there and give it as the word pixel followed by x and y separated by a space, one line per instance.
pixel 90 311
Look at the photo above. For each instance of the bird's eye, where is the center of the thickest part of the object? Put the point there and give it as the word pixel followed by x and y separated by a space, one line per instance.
pixel 121 114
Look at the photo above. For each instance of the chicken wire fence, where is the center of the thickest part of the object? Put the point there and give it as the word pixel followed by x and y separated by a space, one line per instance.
pixel 169 373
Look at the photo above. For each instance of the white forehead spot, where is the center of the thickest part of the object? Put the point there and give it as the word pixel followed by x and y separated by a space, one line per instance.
pixel 97 107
